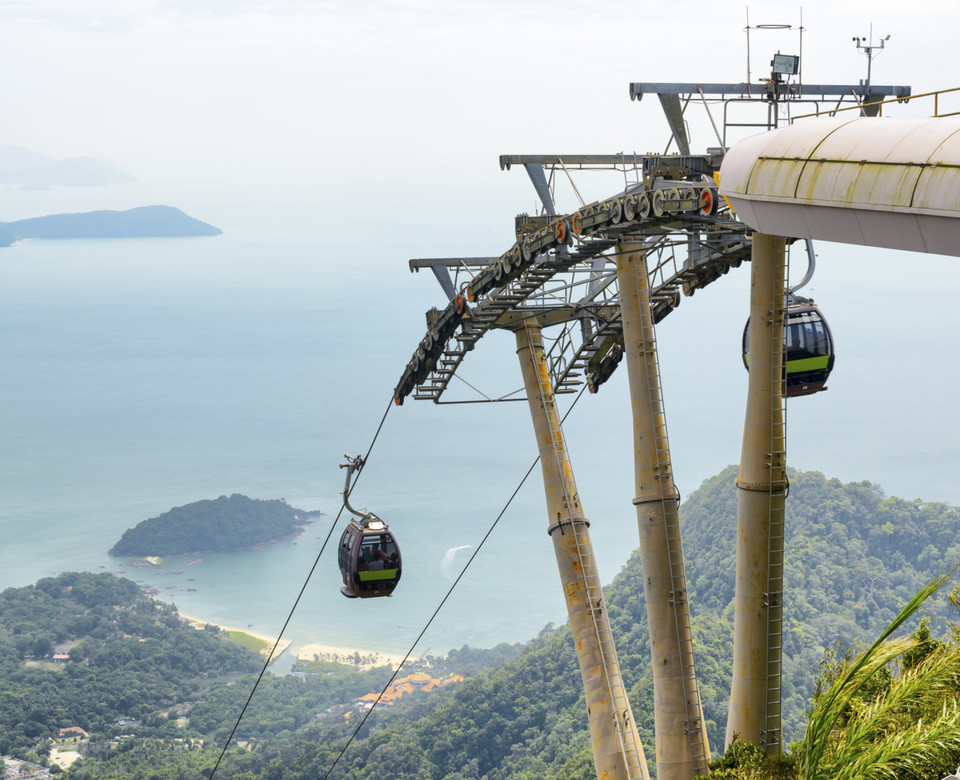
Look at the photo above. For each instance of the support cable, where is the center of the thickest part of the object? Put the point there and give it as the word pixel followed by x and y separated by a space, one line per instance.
pixel 572 183
pixel 296 602
pixel 447 596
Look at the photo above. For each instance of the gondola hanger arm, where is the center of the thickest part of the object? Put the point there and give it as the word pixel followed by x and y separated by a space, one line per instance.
pixel 353 466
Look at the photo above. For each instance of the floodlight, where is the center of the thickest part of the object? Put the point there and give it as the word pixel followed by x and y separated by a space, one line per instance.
pixel 785 64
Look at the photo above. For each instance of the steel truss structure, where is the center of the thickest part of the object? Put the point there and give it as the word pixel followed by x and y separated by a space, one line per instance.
pixel 561 272
pixel 665 235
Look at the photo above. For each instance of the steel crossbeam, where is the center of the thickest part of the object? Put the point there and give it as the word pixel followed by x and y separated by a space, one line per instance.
pixel 561 272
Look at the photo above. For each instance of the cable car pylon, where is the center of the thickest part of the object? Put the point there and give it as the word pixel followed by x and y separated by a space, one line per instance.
pixel 754 714
pixel 561 271
pixel 683 750
pixel 617 750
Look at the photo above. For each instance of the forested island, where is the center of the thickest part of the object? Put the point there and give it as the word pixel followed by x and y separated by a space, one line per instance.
pixel 853 558
pixel 213 525
pixel 142 222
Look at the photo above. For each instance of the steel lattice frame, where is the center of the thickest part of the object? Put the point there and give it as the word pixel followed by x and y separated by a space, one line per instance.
pixel 560 270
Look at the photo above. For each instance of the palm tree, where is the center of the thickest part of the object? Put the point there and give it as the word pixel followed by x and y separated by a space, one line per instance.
pixel 870 723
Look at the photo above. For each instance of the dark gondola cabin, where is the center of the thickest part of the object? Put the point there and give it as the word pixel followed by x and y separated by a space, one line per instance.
pixel 369 559
pixel 809 347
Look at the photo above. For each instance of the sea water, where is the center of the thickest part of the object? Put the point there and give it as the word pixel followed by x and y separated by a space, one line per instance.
pixel 144 374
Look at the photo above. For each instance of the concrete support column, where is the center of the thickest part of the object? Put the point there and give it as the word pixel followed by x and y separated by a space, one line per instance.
pixel 761 490
pixel 681 739
pixel 617 751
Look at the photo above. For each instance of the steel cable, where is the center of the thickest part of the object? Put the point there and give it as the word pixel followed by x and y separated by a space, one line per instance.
pixel 296 602
pixel 447 596
pixel 429 622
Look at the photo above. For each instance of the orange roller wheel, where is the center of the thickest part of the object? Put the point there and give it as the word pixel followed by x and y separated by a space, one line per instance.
pixel 708 203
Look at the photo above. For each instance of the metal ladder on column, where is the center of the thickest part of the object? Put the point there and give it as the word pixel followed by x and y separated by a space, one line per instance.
pixel 618 693
pixel 593 594
pixel 776 462
pixel 678 584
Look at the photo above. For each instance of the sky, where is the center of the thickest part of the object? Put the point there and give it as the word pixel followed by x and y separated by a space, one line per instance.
pixel 375 126
pixel 384 108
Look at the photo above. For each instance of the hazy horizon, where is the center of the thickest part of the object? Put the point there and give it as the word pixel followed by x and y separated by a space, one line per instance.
pixel 362 135
pixel 355 115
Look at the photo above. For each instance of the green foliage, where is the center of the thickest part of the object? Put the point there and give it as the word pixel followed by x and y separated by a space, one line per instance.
pixel 746 761
pixel 832 708
pixel 471 660
pixel 853 558
pixel 218 525
pixel 249 641
pixel 873 718
pixel 282 705
pixel 129 657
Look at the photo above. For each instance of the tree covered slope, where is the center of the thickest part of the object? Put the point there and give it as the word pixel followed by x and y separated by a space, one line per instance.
pixel 854 557
pixel 218 525
pixel 128 657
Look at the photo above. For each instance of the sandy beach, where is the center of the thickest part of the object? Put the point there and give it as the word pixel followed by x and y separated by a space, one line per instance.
pixel 270 640
pixel 368 659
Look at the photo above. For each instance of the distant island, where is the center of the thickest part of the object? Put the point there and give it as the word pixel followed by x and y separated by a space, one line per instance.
pixel 30 170
pixel 213 525
pixel 142 222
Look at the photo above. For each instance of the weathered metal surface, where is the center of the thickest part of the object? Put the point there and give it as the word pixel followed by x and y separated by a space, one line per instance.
pixel 639 89
pixel 882 182
pixel 681 738
pixel 761 490
pixel 617 750
pixel 545 273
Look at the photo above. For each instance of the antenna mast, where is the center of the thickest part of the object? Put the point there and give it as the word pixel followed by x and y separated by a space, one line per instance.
pixel 800 29
pixel 871 50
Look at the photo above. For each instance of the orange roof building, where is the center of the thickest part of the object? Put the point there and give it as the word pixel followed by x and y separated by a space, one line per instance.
pixel 418 681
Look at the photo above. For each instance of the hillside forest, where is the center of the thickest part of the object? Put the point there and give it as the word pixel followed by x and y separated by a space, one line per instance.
pixel 854 559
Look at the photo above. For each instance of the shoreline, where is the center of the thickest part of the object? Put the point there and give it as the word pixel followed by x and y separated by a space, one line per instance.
pixel 271 641
pixel 314 651
pixel 368 659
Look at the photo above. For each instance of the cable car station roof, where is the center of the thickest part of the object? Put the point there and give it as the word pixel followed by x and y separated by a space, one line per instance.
pixel 882 182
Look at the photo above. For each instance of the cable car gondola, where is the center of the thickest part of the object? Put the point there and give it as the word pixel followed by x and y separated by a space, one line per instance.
pixel 369 555
pixel 808 347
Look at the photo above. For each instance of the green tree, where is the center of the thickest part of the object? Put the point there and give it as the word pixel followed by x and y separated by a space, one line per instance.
pixel 907 725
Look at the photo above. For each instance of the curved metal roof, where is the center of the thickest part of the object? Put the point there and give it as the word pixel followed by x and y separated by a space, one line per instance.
pixel 874 181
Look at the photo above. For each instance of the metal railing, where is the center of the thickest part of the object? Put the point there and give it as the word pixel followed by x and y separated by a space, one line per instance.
pixel 936 95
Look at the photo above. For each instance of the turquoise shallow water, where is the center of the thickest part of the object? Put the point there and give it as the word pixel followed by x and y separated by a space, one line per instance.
pixel 139 375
